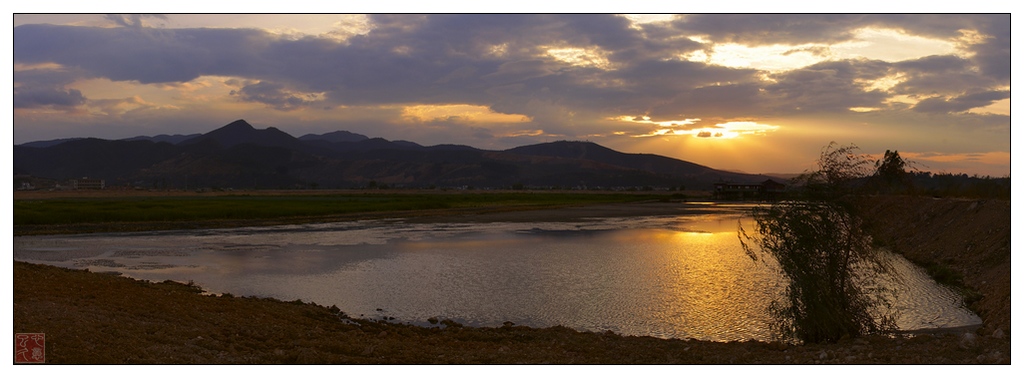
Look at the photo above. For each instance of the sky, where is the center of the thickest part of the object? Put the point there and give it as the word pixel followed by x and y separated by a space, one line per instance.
pixel 756 93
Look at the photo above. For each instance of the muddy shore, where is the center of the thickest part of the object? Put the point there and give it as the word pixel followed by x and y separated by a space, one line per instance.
pixel 99 318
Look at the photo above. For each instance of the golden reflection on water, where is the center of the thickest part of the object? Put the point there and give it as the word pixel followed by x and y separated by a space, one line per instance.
pixel 711 291
pixel 681 277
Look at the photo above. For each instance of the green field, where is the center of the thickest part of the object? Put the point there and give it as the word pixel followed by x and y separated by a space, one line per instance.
pixel 68 211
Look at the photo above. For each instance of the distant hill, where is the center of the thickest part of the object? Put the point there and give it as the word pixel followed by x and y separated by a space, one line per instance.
pixel 48 143
pixel 240 156
pixel 335 136
pixel 172 139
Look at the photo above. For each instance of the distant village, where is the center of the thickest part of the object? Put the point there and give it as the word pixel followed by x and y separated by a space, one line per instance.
pixel 27 182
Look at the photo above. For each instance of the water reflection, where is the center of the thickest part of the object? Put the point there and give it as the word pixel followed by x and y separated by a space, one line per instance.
pixel 680 276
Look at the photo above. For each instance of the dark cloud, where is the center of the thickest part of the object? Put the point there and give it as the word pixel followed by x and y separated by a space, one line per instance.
pixel 993 55
pixel 43 97
pixel 274 95
pixel 518 71
pixel 940 75
pixel 714 103
pixel 145 55
pixel 772 28
pixel 827 87
pixel 961 103
pixel 46 87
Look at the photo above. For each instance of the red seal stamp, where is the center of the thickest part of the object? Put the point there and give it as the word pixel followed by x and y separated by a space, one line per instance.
pixel 29 348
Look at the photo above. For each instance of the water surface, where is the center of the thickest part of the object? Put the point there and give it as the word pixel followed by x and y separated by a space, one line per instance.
pixel 665 276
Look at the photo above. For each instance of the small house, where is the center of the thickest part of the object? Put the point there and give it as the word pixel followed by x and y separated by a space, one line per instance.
pixel 86 183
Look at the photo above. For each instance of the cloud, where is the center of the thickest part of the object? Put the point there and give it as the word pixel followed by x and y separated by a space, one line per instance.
pixel 132 20
pixel 276 96
pixel 43 97
pixel 502 61
pixel 758 29
pixel 714 102
pixel 46 86
pixel 145 55
pixel 993 55
pixel 960 103
pixel 828 86
pixel 517 71
pixel 946 75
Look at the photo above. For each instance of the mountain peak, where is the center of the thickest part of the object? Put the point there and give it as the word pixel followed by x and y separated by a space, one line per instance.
pixel 239 125
pixel 241 132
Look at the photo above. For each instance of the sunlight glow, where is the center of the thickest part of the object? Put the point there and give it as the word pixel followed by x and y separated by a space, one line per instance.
pixel 902 99
pixel 968 38
pixel 646 18
pixel 726 130
pixel 647 120
pixel 402 50
pixel 18 67
pixel 883 84
pixel 869 43
pixel 498 51
pixel 110 107
pixel 349 26
pixel 580 57
pixel 696 56
pixel 524 133
pixel 991 163
pixel 735 129
pixel 891 46
pixel 459 113
pixel 860 109
pixel 769 57
pixel 1001 107
pixel 992 157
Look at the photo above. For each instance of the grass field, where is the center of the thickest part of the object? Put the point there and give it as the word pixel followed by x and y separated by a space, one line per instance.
pixel 155 209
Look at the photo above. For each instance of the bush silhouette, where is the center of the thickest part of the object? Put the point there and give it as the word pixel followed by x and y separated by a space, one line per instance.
pixel 829 264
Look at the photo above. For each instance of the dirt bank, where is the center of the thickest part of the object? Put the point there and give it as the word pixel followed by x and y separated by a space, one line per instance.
pixel 965 240
pixel 92 318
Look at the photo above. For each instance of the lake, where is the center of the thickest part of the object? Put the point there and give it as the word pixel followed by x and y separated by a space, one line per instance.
pixel 677 276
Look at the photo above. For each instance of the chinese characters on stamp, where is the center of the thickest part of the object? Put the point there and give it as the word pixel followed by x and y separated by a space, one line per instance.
pixel 29 348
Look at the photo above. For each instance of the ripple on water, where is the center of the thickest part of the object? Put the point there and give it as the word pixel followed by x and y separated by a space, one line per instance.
pixel 672 277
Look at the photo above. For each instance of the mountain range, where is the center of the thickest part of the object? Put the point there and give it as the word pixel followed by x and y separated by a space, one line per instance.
pixel 240 156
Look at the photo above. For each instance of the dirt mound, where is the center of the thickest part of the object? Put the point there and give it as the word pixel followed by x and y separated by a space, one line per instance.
pixel 962 242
